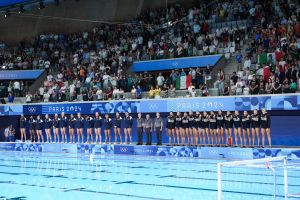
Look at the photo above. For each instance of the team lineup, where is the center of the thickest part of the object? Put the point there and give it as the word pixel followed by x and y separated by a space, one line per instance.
pixel 190 128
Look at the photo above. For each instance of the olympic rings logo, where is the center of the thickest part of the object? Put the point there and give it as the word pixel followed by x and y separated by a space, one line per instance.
pixel 123 149
pixel 32 109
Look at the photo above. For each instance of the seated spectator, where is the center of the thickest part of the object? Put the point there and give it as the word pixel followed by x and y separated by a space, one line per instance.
pixel 171 91
pixel 116 93
pixel 133 92
pixel 164 91
pixel 193 92
pixel 277 88
pixel 226 89
pixel 239 87
pixel 204 90
pixel 286 86
pixel 139 92
pixel 122 93
pixel 269 86
pixel 99 94
pixel 28 97
pixel 151 93
pixel 293 86
pixel 10 98
pixel 254 85
pixel 46 97
pixel 157 92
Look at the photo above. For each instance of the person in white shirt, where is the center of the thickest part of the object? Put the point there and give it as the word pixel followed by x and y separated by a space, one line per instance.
pixel 17 88
pixel 99 94
pixel 160 80
pixel 28 97
pixel 116 93
pixel 247 63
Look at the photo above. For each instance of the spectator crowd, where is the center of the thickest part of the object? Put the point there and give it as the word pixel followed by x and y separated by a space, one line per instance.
pixel 93 65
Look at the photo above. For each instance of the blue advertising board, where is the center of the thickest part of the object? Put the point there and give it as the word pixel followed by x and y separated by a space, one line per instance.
pixel 11 2
pixel 20 74
pixel 177 63
pixel 240 103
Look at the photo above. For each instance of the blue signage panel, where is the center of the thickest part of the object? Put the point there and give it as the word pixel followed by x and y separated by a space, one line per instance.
pixel 240 103
pixel 200 104
pixel 20 74
pixel 11 2
pixel 177 63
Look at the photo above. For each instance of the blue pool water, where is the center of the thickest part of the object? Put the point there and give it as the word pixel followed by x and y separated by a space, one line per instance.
pixel 67 176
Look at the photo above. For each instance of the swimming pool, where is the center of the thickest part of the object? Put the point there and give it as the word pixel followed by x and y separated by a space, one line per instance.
pixel 69 176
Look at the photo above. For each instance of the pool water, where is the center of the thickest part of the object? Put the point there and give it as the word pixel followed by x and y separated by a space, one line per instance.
pixel 67 176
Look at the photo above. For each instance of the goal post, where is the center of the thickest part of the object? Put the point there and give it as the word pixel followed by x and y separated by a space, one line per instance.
pixel 267 177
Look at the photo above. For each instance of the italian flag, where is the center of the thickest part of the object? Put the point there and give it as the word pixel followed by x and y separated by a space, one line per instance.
pixel 183 82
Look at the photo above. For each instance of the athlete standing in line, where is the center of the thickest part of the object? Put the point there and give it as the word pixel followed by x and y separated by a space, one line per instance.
pixel 107 126
pixel 39 129
pixel 23 122
pixel 213 127
pixel 265 127
pixel 178 129
pixel 246 128
pixel 128 122
pixel 220 128
pixel 48 125
pixel 71 128
pixel 255 124
pixel 197 134
pixel 56 128
pixel 63 123
pixel 191 131
pixel 205 124
pixel 237 122
pixel 117 128
pixel 97 127
pixel 32 124
pixel 171 128
pixel 79 125
pixel 90 124
pixel 185 128
pixel 228 128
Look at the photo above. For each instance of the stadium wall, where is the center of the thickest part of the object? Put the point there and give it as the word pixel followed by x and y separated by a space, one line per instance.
pixel 284 110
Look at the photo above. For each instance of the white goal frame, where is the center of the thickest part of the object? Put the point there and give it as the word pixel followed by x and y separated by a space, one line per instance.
pixel 252 162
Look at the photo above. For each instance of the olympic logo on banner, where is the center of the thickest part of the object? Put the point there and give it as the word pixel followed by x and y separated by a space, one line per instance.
pixel 123 149
pixel 153 106
pixel 31 109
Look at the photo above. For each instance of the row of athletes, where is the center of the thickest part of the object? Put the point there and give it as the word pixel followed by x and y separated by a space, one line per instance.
pixel 62 123
pixel 209 128
pixel 199 128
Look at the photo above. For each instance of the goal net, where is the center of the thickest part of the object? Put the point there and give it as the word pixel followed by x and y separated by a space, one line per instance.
pixel 261 179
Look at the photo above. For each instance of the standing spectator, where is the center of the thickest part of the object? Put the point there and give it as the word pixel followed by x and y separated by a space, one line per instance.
pixel 239 59
pixel 160 80
pixel 10 98
pixel 17 88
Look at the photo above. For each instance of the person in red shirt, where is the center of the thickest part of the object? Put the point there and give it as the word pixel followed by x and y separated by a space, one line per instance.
pixel 266 70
